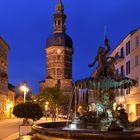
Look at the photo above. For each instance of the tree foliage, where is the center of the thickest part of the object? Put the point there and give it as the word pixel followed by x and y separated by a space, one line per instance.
pixel 28 110
pixel 54 96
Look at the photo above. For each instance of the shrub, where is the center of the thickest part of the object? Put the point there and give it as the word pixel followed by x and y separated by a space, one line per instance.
pixel 27 111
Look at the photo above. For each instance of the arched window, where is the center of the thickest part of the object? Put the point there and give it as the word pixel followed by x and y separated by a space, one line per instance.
pixel 59 71
pixel 58 83
pixel 59 22
pixel 55 22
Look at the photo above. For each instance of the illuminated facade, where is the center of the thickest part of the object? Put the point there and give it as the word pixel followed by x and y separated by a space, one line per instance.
pixel 129 66
pixel 10 101
pixel 59 50
pixel 7 93
pixel 3 77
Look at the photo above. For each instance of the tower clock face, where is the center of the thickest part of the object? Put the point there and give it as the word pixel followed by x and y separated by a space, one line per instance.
pixel 59 51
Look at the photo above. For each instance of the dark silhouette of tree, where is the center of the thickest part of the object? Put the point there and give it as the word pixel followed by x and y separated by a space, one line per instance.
pixel 27 111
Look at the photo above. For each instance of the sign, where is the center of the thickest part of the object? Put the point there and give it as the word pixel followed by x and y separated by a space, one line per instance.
pixel 24 130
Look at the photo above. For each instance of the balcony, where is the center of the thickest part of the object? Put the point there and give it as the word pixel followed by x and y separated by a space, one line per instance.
pixel 119 57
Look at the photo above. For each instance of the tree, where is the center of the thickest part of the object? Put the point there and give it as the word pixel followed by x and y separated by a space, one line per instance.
pixel 27 111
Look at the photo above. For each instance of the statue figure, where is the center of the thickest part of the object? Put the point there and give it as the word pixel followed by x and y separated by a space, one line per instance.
pixel 101 58
pixel 105 64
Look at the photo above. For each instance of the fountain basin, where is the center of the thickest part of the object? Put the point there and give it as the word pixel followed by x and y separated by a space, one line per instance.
pixel 55 130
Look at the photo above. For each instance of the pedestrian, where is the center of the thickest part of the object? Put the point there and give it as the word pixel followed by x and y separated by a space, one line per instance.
pixel 53 114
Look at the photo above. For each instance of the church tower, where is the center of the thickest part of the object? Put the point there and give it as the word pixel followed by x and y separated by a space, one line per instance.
pixel 59 51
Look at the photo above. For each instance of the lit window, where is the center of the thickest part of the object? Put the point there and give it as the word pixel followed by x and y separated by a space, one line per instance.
pixel 137 109
pixel 128 108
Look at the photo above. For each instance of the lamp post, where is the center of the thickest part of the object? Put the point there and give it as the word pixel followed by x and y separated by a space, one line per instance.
pixel 46 106
pixel 47 109
pixel 25 89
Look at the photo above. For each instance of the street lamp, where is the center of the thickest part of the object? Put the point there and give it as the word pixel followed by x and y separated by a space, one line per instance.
pixel 25 89
pixel 46 106
pixel 47 109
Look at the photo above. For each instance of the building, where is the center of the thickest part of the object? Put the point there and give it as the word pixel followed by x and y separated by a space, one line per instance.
pixel 3 76
pixel 7 93
pixel 59 51
pixel 129 66
pixel 10 101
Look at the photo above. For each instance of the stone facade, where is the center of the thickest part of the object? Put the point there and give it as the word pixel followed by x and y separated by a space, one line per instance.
pixel 59 50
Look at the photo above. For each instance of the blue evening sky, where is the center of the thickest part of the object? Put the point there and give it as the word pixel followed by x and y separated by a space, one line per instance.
pixel 26 24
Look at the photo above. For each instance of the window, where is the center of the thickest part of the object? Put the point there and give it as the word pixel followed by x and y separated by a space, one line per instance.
pixel 59 22
pixel 122 71
pixel 128 108
pixel 55 22
pixel 122 54
pixel 137 109
pixel 117 72
pixel 128 90
pixel 136 60
pixel 63 22
pixel 137 41
pixel 59 72
pixel 127 67
pixel 121 92
pixel 127 48
pixel 117 54
pixel 58 57
pixel 137 79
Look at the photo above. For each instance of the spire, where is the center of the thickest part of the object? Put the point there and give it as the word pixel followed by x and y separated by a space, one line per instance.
pixel 59 18
pixel 60 2
pixel 59 6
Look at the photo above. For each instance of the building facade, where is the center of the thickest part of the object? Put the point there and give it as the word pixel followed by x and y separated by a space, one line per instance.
pixel 3 77
pixel 59 51
pixel 7 93
pixel 129 66
pixel 10 101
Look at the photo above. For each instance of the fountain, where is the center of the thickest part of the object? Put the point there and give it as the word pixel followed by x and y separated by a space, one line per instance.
pixel 100 119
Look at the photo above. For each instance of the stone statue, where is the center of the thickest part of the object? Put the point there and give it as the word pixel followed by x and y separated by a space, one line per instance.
pixel 101 58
